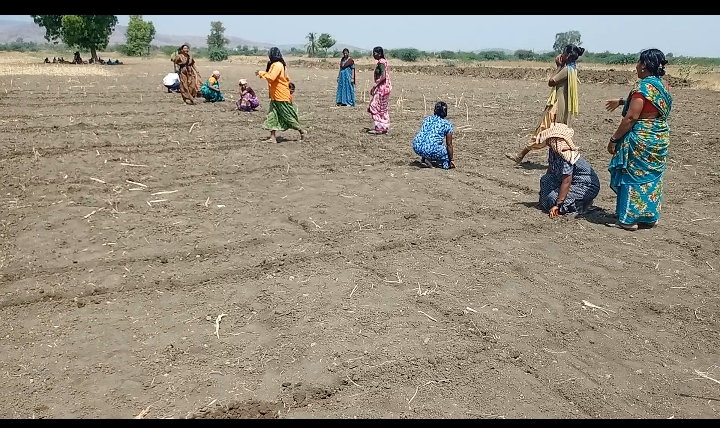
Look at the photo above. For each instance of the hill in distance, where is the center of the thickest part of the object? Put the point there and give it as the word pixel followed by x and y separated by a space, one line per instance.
pixel 10 31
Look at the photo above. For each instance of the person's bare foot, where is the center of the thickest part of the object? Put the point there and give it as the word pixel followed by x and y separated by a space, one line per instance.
pixel 425 163
pixel 271 140
pixel 514 157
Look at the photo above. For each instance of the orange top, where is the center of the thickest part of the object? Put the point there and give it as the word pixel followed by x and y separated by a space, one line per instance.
pixel 278 82
pixel 648 107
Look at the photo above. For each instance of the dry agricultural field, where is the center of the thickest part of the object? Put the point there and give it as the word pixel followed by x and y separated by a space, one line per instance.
pixel 347 282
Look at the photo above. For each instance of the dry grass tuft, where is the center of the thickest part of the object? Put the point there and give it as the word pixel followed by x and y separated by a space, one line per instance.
pixel 64 70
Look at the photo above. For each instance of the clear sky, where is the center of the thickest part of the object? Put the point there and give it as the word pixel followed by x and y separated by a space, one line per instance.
pixel 694 35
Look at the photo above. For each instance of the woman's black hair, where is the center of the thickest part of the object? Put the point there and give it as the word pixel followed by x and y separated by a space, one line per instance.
pixel 291 85
pixel 379 51
pixel 275 56
pixel 573 52
pixel 441 109
pixel 343 51
pixel 180 49
pixel 654 61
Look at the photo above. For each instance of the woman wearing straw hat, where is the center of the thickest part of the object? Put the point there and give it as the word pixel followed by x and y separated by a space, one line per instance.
pixel 248 100
pixel 211 89
pixel 570 184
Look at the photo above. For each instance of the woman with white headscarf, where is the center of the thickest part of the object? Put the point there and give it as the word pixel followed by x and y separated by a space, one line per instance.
pixel 211 89
pixel 248 100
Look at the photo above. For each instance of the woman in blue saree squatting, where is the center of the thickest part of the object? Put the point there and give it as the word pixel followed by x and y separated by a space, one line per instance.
pixel 428 143
pixel 346 81
pixel 640 145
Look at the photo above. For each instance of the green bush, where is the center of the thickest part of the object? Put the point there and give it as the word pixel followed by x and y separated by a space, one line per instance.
pixel 447 55
pixel 19 46
pixel 525 55
pixel 218 54
pixel 492 56
pixel 405 54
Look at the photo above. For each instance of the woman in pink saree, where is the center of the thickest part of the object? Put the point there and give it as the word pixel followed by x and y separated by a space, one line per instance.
pixel 380 103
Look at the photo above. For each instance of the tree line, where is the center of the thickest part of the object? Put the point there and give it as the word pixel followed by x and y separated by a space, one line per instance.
pixel 92 33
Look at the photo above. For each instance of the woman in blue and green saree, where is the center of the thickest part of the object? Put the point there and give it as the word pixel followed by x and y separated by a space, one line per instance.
pixel 211 89
pixel 640 145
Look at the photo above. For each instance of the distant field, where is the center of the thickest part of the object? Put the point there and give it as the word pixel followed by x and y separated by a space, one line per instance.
pixel 704 77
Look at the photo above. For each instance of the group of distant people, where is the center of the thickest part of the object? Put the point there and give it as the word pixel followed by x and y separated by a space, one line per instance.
pixel 638 147
pixel 77 59
pixel 282 116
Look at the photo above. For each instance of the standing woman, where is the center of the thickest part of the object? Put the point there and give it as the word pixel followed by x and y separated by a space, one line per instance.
pixel 563 102
pixel 189 76
pixel 380 92
pixel 282 116
pixel 346 81
pixel 640 146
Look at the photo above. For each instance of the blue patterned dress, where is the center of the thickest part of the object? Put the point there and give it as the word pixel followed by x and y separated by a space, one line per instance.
pixel 345 88
pixel 429 142
pixel 637 168
pixel 584 188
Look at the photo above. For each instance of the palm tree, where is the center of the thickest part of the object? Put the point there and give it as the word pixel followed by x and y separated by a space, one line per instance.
pixel 312 46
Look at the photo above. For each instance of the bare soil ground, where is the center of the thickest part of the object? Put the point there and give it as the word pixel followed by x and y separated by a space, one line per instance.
pixel 352 283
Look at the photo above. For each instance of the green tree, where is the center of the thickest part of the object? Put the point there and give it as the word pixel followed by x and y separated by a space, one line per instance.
pixel 312 45
pixel 216 38
pixel 325 42
pixel 571 37
pixel 216 42
pixel 138 36
pixel 91 32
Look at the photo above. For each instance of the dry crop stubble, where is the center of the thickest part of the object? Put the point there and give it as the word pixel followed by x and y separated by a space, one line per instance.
pixel 150 271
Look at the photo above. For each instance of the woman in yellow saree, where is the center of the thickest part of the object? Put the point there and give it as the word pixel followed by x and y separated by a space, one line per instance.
pixel 563 102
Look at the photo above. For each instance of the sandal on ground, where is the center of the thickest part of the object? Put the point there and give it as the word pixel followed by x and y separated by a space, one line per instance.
pixel 618 225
